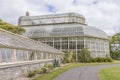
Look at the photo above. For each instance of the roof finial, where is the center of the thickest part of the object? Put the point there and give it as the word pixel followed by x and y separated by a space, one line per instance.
pixel 27 13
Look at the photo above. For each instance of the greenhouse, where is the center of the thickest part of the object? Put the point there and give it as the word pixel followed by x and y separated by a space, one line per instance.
pixel 66 32
pixel 17 48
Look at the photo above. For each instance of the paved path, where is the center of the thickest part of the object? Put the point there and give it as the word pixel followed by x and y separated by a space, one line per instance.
pixel 83 73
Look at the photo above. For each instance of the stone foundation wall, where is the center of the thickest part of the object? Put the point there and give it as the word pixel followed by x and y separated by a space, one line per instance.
pixel 14 70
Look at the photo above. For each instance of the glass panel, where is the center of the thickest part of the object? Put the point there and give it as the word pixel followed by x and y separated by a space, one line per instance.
pixel 9 54
pixel 31 55
pixel 38 55
pixel 80 44
pixel 50 43
pixel 57 45
pixel 3 55
pixel 44 55
pixel 6 55
pixel 64 44
pixel 72 43
pixel 20 55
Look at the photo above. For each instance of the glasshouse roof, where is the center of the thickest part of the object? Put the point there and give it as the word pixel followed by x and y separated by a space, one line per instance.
pixel 64 30
pixel 51 19
pixel 11 40
pixel 51 16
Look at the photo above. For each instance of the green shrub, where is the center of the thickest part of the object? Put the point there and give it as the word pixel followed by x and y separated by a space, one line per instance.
pixel 65 60
pixel 109 59
pixel 98 59
pixel 38 71
pixel 84 56
pixel 45 65
pixel 50 66
pixel 93 60
pixel 105 60
pixel 31 73
pixel 68 57
pixel 44 69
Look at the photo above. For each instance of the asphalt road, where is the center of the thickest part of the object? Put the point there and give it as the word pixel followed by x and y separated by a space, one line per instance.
pixel 84 73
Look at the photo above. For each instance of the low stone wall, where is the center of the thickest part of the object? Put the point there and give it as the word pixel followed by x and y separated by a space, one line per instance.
pixel 14 70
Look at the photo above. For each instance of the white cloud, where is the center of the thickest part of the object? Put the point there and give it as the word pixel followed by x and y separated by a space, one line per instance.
pixel 103 14
pixel 10 10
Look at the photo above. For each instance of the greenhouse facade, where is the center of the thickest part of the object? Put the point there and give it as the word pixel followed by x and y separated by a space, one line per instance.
pixel 66 32
pixel 19 54
pixel 16 48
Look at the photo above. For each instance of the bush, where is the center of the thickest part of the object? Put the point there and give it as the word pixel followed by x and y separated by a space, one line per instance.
pixel 38 71
pixel 31 73
pixel 93 60
pixel 109 59
pixel 44 69
pixel 98 59
pixel 50 66
pixel 46 65
pixel 65 60
pixel 84 56
pixel 106 59
pixel 68 57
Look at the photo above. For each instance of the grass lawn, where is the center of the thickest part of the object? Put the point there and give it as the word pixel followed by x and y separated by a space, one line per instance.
pixel 55 73
pixel 112 73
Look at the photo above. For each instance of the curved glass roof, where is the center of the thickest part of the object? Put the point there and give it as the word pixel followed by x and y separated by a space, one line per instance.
pixel 8 39
pixel 63 31
pixel 94 32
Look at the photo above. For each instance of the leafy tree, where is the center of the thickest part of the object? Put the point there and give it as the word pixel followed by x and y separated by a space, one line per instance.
pixel 115 46
pixel 11 28
pixel 84 56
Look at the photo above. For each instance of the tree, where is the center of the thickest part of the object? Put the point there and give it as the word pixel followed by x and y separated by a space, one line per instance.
pixel 84 56
pixel 115 46
pixel 11 28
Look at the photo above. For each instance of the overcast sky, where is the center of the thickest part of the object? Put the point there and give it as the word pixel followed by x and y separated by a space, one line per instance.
pixel 103 14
